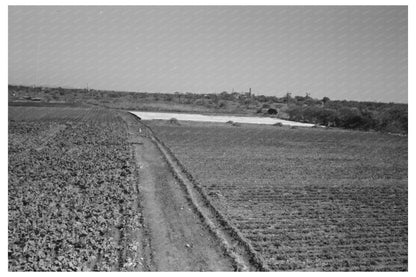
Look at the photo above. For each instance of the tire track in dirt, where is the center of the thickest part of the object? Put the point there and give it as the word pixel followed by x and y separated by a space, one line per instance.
pixel 169 194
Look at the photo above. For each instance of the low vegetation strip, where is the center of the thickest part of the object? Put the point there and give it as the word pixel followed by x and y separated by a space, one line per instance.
pixel 306 199
pixel 72 191
pixel 384 117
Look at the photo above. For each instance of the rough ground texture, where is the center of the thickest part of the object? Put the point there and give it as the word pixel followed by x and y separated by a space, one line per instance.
pixel 72 197
pixel 90 191
pixel 94 189
pixel 177 239
pixel 306 199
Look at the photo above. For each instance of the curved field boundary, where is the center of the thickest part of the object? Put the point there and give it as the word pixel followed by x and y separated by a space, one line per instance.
pixel 236 246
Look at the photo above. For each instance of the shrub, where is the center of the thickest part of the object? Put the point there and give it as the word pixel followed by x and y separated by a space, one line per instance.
pixel 271 111
pixel 174 121
pixel 222 104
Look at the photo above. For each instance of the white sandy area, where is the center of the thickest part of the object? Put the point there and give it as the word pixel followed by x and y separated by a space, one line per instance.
pixel 216 118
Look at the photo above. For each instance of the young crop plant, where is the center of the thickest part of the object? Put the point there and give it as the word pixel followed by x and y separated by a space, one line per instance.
pixel 71 192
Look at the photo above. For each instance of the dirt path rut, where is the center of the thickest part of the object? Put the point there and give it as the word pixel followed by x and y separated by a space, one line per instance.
pixel 175 238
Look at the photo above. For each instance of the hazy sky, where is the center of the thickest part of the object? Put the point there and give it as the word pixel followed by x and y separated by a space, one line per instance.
pixel 354 53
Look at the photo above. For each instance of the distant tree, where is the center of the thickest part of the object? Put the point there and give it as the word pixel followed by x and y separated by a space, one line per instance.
pixel 247 102
pixel 261 98
pixel 199 102
pixel 224 95
pixel 299 98
pixel 311 114
pixel 325 100
pixel 368 120
pixel 274 99
pixel 215 99
pixel 272 111
pixel 327 117
pixel 349 118
pixel 394 119
pixel 168 97
pixel 222 104
pixel 295 113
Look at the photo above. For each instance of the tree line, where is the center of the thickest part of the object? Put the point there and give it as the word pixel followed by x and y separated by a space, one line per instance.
pixel 359 115
pixel 385 117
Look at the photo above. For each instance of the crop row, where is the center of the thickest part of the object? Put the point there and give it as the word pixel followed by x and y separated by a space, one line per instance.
pixel 72 195
pixel 307 199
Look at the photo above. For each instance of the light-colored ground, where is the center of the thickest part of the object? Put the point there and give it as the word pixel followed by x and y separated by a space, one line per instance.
pixel 217 118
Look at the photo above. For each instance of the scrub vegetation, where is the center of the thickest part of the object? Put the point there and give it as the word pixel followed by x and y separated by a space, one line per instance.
pixel 375 116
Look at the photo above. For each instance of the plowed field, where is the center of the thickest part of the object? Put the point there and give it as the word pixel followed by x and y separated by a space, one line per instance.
pixel 307 199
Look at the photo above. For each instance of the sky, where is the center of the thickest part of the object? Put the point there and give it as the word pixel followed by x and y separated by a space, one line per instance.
pixel 342 52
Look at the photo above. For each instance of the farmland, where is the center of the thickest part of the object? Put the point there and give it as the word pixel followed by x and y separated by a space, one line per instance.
pixel 307 199
pixel 89 190
pixel 386 117
pixel 72 196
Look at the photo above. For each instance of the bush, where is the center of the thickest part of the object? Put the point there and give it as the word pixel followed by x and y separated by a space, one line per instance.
pixel 295 113
pixel 272 111
pixel 222 104
pixel 174 121
pixel 394 120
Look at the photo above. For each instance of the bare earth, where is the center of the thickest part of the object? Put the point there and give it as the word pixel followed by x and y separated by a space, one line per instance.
pixel 175 238
pixel 124 201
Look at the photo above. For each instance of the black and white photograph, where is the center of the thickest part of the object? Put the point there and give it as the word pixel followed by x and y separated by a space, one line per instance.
pixel 219 138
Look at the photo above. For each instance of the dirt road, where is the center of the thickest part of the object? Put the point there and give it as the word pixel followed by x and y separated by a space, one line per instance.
pixel 182 230
pixel 175 239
